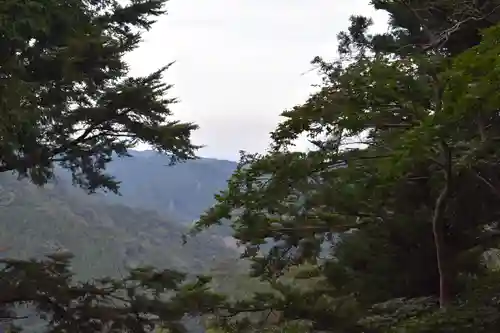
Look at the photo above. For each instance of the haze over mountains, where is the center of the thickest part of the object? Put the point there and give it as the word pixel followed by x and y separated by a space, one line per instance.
pixel 107 232
pixel 182 191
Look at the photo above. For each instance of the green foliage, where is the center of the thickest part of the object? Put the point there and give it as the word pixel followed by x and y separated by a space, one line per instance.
pixel 474 310
pixel 66 97
pixel 66 100
pixel 140 302
pixel 398 201
pixel 382 227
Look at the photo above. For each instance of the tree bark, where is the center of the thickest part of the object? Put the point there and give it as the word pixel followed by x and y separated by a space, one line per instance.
pixel 443 265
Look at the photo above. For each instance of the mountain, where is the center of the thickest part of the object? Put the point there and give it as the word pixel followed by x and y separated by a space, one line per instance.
pixel 108 232
pixel 182 191
pixel 143 226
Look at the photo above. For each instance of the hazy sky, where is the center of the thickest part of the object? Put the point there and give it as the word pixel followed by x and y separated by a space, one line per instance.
pixel 240 63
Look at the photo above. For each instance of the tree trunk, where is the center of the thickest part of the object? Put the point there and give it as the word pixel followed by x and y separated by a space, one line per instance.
pixel 441 258
pixel 443 264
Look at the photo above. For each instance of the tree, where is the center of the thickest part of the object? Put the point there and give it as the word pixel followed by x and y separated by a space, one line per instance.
pixel 432 28
pixel 404 161
pixel 66 97
pixel 422 26
pixel 66 100
pixel 146 300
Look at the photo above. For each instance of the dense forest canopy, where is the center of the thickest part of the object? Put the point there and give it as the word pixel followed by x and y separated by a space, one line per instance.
pixel 402 184
pixel 401 190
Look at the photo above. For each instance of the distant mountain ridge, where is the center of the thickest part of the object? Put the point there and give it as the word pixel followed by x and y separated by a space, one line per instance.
pixel 182 191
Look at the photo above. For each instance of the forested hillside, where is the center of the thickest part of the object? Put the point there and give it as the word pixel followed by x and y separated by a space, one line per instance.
pixel 182 191
pixel 104 237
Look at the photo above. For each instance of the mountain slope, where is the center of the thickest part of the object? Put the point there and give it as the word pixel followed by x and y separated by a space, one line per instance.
pixel 144 226
pixel 182 191
pixel 104 237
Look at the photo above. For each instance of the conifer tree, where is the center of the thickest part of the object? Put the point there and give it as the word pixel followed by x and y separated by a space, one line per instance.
pixel 67 100
pixel 66 96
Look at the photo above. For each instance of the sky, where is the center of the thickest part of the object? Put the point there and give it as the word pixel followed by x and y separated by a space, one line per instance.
pixel 240 63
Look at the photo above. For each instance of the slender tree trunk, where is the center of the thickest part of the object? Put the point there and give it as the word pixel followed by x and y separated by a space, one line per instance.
pixel 441 258
pixel 443 264
pixel 438 218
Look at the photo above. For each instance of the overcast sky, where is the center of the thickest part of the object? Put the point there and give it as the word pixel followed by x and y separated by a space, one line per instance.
pixel 240 63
